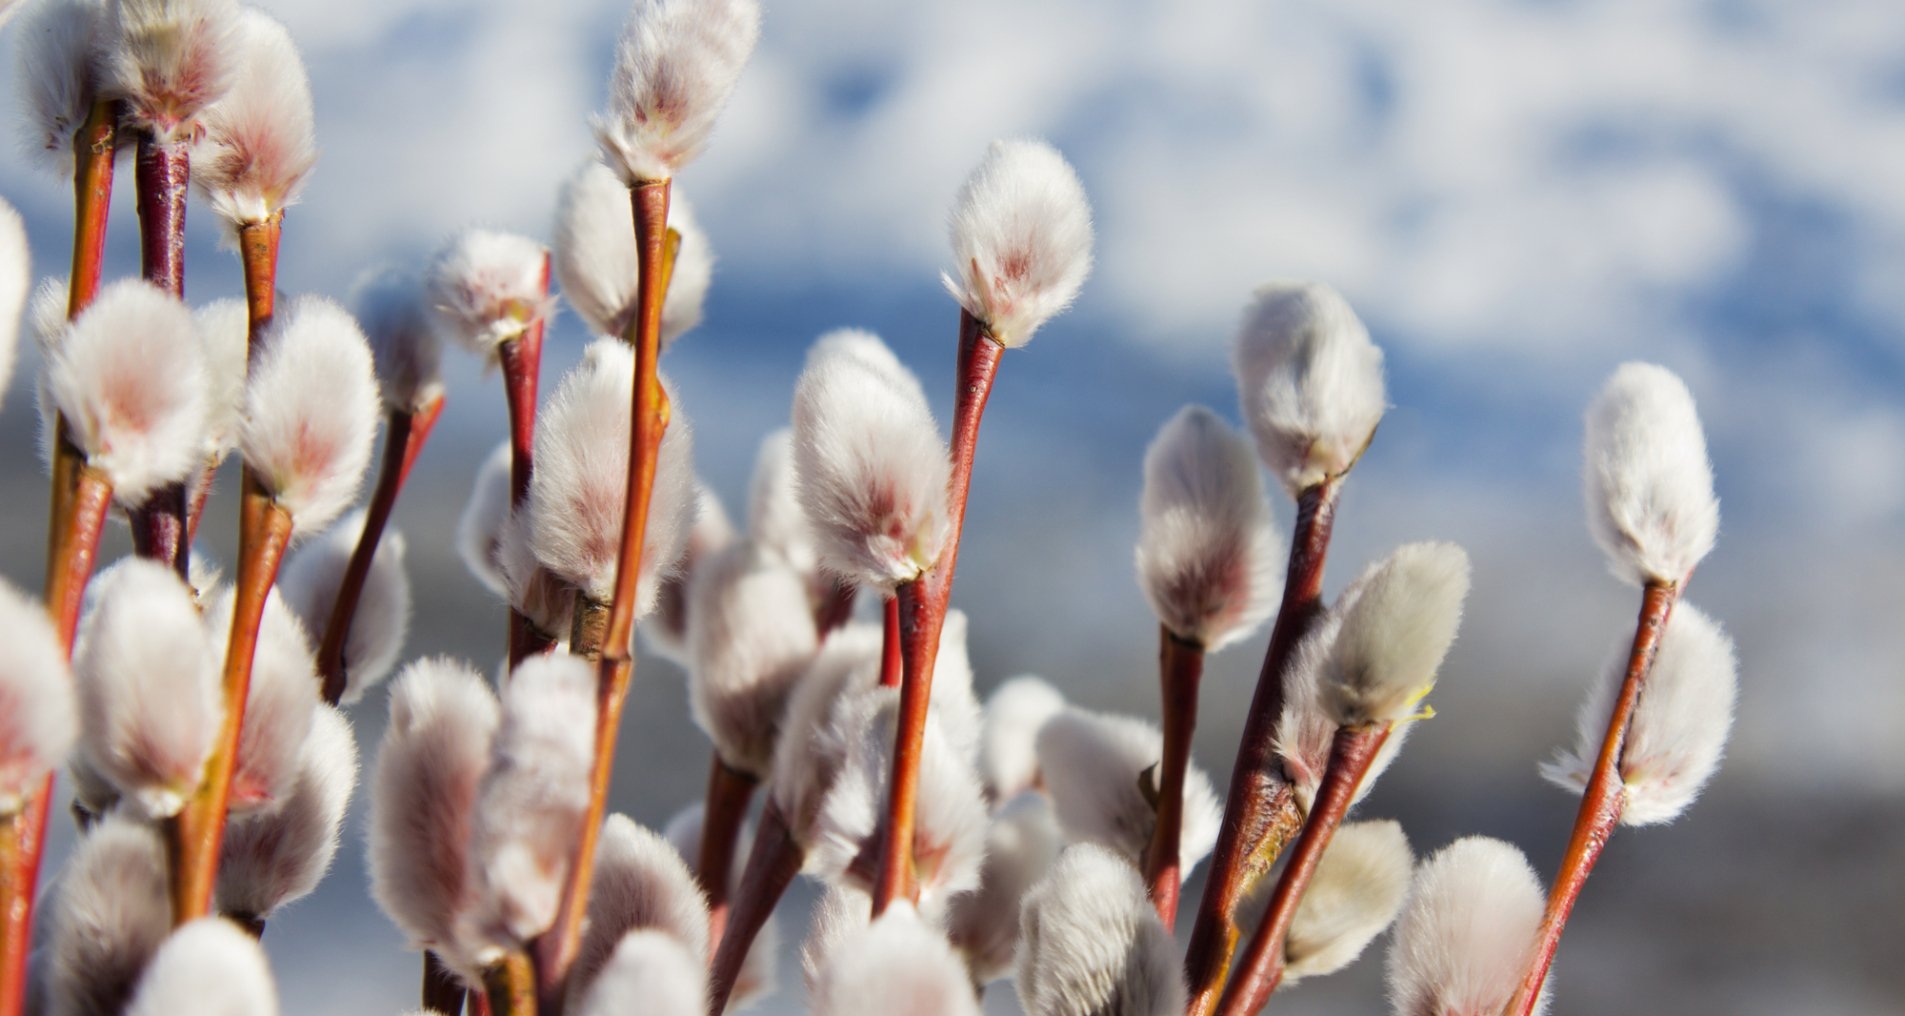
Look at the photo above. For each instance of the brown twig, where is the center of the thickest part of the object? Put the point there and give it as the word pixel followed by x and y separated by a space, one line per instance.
pixel 1601 802
pixel 1259 813
pixel 1180 668
pixel 196 833
pixel 922 607
pixel 258 252
pixel 404 436
pixel 588 627
pixel 1351 753
pixel 729 791
pixel 772 863
pixel 556 948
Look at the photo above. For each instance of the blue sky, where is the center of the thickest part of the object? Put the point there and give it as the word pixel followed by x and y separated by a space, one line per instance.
pixel 1516 195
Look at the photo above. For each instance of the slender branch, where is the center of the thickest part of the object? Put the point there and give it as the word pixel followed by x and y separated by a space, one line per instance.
pixel 835 608
pixel 510 983
pixel 729 790
pixel 443 991
pixel 1259 813
pixel 22 837
pixel 556 948
pixel 78 520
pixel 521 359
pixel 196 833
pixel 404 437
pixel 922 614
pixel 163 172
pixel 772 863
pixel 93 150
pixel 1180 668
pixel 258 252
pixel 1351 753
pixel 160 527
pixel 891 666
pixel 1601 802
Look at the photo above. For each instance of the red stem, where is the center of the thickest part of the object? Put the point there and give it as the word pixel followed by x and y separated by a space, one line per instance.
pixel 521 359
pixel 1256 806
pixel 556 948
pixel 160 527
pixel 404 437
pixel 1262 969
pixel 772 863
pixel 836 608
pixel 258 251
pixel 1601 802
pixel 891 666
pixel 922 614
pixel 1180 668
pixel 162 171
pixel 195 835
pixel 93 150
pixel 729 791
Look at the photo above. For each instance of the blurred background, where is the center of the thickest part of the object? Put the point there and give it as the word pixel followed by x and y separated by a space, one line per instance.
pixel 1517 196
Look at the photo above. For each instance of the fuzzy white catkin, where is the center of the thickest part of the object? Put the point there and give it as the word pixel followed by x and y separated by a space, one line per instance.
pixel 641 884
pixel 486 288
pixel 675 65
pixel 169 60
pixel 1306 732
pixel 209 967
pixel 1466 932
pixel 666 630
pixel 897 964
pixel 1094 765
pixel 872 470
pixel 260 139
pixel 595 259
pixel 840 913
pixel 404 343
pixel 1021 239
pixel 224 329
pixel 806 767
pixel 1021 844
pixel 776 522
pixel 149 701
pixel 1647 478
pixel 279 705
pixel 650 973
pixel 311 411
pixel 950 822
pixel 443 718
pixel 130 378
pixel 532 801
pixel 1395 635
pixel 57 48
pixel 750 635
pixel 1357 891
pixel 479 530
pixel 1679 727
pixel 578 494
pixel 310 583
pixel 1008 751
pixel 16 278
pixel 1309 380
pixel 39 719
pixel 276 858
pixel 1090 942
pixel 112 911
pixel 1207 555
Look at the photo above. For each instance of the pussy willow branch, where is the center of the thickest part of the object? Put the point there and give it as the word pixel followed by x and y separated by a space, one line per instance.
pixel 555 949
pixel 1259 811
pixel 195 835
pixel 1351 753
pixel 521 360
pixel 772 862
pixel 729 791
pixel 405 433
pixel 1601 802
pixel 922 607
pixel 162 173
pixel 1180 668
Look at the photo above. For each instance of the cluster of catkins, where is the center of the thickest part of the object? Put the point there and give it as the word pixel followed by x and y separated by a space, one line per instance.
pixel 201 719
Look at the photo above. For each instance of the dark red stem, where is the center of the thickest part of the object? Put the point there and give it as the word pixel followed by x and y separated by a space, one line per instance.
pixel 1251 817
pixel 1262 969
pixel 404 436
pixel 160 527
pixel 729 791
pixel 443 992
pixel 1180 668
pixel 163 173
pixel 772 863
pixel 1601 802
